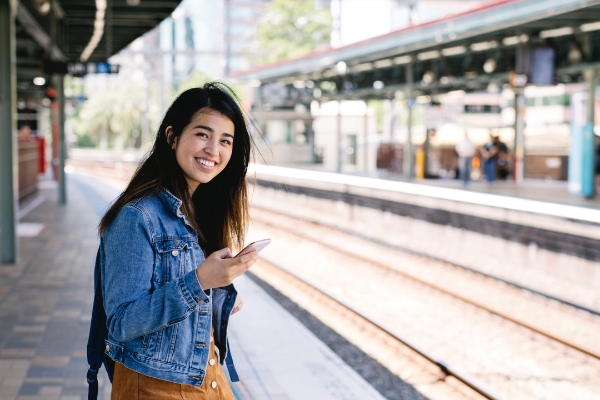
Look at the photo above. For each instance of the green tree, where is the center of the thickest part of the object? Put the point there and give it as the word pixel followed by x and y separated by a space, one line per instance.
pixel 291 29
pixel 116 112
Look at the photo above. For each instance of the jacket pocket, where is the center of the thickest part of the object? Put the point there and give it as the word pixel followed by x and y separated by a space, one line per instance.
pixel 174 259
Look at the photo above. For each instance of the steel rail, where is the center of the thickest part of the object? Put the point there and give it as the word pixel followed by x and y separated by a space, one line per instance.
pixel 475 303
pixel 445 367
pixel 439 259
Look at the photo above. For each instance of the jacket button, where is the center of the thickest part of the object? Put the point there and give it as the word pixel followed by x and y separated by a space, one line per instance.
pixel 175 253
pixel 107 348
pixel 213 384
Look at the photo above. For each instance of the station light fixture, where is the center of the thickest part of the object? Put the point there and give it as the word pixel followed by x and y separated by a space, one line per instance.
pixel 454 51
pixel 592 26
pixel 98 31
pixel 383 63
pixel 378 85
pixel 340 67
pixel 42 6
pixel 363 67
pixel 482 46
pixel 39 81
pixel 402 60
pixel 550 33
pixel 489 66
pixel 510 41
pixel 514 40
pixel 428 55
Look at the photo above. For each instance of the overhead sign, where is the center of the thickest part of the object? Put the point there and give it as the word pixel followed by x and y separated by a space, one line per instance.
pixel 80 68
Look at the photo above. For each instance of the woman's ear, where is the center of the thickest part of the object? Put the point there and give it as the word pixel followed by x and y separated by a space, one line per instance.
pixel 170 137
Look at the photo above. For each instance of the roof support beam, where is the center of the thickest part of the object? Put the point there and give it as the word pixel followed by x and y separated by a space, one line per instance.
pixel 38 33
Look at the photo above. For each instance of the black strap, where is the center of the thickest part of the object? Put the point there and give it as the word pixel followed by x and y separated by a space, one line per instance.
pixel 97 337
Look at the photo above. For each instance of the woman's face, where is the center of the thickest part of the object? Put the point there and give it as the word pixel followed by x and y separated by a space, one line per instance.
pixel 204 147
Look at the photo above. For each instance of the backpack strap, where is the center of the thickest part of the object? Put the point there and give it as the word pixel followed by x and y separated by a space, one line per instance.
pixel 230 367
pixel 97 337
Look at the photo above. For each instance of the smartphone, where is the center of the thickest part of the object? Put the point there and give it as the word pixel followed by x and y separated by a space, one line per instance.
pixel 258 246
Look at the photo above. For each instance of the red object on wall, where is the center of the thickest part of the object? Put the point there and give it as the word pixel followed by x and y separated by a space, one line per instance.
pixel 41 154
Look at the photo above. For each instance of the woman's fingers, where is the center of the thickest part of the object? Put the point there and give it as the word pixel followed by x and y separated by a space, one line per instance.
pixel 223 253
pixel 238 305
pixel 220 269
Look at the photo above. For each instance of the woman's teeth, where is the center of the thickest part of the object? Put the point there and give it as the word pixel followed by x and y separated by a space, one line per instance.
pixel 205 162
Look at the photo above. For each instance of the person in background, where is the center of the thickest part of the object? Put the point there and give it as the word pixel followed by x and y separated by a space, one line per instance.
pixel 502 160
pixel 465 150
pixel 25 133
pixel 489 155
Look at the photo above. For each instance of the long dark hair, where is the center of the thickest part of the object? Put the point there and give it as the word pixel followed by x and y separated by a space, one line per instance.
pixel 218 210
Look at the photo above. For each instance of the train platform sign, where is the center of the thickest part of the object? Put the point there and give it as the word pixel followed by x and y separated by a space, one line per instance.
pixel 80 68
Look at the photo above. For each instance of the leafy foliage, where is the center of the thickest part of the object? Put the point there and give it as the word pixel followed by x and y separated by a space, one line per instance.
pixel 291 29
pixel 115 114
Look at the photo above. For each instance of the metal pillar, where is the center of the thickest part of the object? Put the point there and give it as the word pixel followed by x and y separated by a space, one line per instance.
pixel 588 183
pixel 366 138
pixel 62 146
pixel 340 159
pixel 519 145
pixel 108 31
pixel 409 165
pixel 8 147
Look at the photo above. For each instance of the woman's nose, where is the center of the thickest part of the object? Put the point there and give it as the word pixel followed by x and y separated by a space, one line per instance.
pixel 211 147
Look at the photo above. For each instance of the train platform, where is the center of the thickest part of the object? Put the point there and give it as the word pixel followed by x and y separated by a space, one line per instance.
pixel 45 306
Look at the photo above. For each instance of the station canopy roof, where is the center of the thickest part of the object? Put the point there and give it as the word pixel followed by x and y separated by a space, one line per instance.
pixel 456 47
pixel 78 31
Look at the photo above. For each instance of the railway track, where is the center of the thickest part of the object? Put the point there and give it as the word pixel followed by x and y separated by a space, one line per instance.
pixel 446 368
pixel 484 344
pixel 570 343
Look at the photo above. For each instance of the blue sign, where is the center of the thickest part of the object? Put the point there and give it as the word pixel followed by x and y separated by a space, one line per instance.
pixel 80 68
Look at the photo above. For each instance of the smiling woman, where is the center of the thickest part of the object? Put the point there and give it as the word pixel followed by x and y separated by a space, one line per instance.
pixel 165 264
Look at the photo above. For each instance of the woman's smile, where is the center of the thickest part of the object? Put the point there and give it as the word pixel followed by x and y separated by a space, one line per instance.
pixel 204 163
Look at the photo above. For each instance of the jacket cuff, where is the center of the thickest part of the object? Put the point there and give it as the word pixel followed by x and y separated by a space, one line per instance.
pixel 191 290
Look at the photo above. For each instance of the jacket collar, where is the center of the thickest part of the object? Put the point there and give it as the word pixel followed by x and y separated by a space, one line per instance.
pixel 172 203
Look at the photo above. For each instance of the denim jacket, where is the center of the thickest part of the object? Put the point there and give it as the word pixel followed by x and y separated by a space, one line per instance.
pixel 158 317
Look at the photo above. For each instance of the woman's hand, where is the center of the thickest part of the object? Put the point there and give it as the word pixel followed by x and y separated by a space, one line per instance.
pixel 221 268
pixel 238 305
